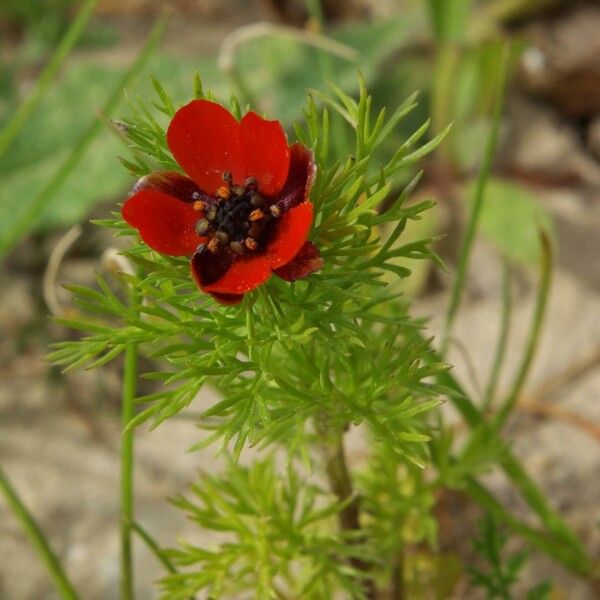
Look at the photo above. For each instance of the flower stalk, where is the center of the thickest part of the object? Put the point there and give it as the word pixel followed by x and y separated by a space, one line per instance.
pixel 127 464
pixel 340 482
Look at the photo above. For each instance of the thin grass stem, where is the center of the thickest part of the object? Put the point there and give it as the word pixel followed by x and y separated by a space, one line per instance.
pixel 38 540
pixel 478 199
pixel 43 82
pixel 535 331
pixel 30 216
pixel 513 469
pixel 554 548
pixel 502 344
pixel 153 547
pixel 127 466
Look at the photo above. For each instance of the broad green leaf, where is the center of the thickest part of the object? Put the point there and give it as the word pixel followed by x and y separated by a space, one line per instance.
pixel 511 217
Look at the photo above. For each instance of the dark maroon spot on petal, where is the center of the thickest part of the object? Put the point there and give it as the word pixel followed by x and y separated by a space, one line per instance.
pixel 171 183
pixel 307 261
pixel 300 178
pixel 208 267
pixel 227 299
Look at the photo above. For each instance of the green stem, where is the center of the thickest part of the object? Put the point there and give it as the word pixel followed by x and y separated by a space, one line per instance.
pixel 398 586
pixel 482 179
pixel 129 391
pixel 554 548
pixel 534 333
pixel 447 60
pixel 154 547
pixel 520 479
pixel 501 346
pixel 38 540
pixel 327 71
pixel 26 108
pixel 127 512
pixel 30 216
pixel 340 481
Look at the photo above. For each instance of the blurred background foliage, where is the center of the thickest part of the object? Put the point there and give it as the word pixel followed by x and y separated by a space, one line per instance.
pixel 449 50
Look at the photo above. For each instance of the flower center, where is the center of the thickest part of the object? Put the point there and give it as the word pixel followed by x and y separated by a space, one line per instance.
pixel 237 216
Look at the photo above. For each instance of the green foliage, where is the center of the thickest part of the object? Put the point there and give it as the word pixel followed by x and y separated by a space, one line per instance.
pixel 511 218
pixel 503 571
pixel 336 348
pixel 241 350
pixel 449 19
pixel 293 361
pixel 280 69
pixel 398 502
pixel 271 534
pixel 45 145
pixel 50 135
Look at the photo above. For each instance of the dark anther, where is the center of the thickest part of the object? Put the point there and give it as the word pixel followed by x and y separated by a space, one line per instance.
pixel 223 237
pixel 236 216
pixel 212 213
pixel 257 201
pixel 256 229
pixel 237 247
pixel 202 227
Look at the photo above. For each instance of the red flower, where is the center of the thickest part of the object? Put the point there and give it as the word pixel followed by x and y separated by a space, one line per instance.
pixel 243 211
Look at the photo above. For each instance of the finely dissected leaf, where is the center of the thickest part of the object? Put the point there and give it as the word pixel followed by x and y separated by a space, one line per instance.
pixel 337 346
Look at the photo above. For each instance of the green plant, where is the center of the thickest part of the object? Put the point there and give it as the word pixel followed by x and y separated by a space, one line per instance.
pixel 300 366
pixel 503 570
pixel 297 366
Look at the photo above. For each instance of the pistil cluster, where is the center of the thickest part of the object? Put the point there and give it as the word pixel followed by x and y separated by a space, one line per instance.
pixel 236 216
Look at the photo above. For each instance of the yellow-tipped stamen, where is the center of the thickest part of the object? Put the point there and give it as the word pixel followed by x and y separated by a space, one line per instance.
pixel 251 243
pixel 223 192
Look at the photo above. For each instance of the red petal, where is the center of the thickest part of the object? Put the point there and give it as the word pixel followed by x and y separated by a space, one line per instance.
pixel 292 231
pixel 165 223
pixel 307 261
pixel 228 299
pixel 245 274
pixel 204 138
pixel 170 183
pixel 208 267
pixel 299 180
pixel 265 152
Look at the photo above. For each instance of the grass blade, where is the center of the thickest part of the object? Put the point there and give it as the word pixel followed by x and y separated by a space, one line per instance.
pixel 42 85
pixel 501 346
pixel 516 473
pixel 45 196
pixel 546 261
pixel 38 540
pixel 484 173
pixel 153 547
